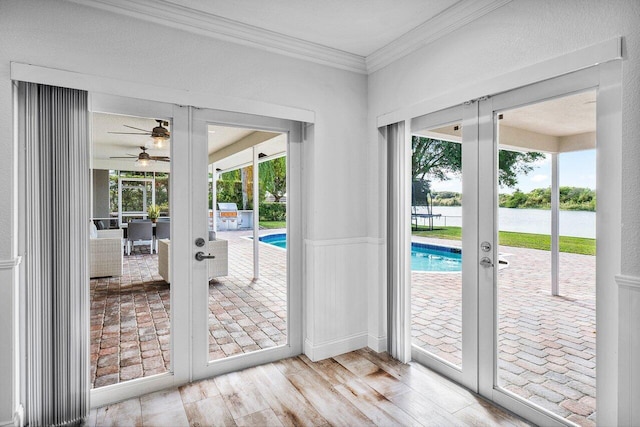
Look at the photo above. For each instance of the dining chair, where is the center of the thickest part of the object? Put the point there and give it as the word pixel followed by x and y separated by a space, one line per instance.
pixel 163 229
pixel 141 232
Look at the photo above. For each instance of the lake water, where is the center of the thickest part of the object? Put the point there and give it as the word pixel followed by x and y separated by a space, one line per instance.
pixel 572 223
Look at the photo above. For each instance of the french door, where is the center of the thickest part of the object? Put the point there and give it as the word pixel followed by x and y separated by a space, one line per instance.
pixel 459 319
pixel 260 307
pixel 251 300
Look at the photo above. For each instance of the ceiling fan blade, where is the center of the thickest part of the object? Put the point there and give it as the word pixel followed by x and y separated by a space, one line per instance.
pixel 130 133
pixel 133 127
pixel 160 158
pixel 129 156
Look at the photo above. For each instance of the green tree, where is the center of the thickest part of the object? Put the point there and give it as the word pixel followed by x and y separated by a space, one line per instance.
pixel 437 159
pixel 273 177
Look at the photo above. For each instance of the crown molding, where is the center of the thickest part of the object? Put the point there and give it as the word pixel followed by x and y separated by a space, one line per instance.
pixel 210 25
pixel 449 20
pixel 194 21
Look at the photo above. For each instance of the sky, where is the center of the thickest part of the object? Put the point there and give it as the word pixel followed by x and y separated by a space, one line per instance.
pixel 577 169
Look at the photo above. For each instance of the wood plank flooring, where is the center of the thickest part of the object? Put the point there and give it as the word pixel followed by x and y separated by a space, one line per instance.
pixel 361 388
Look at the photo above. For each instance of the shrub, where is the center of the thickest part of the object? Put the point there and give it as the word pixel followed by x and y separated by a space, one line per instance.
pixel 271 211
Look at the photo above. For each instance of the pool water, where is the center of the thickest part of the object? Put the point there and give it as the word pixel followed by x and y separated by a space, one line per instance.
pixel 427 257
pixel 424 257
pixel 279 240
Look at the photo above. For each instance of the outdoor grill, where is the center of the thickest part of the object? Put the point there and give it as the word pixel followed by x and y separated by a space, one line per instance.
pixel 228 213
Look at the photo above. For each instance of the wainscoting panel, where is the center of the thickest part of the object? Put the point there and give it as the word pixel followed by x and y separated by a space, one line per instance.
pixel 629 350
pixel 377 288
pixel 336 296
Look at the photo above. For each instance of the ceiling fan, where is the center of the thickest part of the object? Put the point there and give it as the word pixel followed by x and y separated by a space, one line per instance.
pixel 159 134
pixel 144 158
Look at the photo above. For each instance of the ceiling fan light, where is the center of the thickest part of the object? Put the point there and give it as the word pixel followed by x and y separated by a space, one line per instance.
pixel 158 142
pixel 143 162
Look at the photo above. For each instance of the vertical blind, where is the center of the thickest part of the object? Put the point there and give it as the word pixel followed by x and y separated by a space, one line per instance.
pixel 398 241
pixel 54 128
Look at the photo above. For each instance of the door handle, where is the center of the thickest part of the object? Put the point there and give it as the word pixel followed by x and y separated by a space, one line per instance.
pixel 200 256
pixel 486 262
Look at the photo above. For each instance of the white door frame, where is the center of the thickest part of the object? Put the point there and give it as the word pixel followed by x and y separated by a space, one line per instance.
pixel 606 78
pixel 587 79
pixel 467 115
pixel 179 372
pixel 197 209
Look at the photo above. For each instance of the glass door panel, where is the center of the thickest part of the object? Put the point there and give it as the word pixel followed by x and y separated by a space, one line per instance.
pixel 442 290
pixel 243 294
pixel 436 253
pixel 537 279
pixel 133 298
pixel 546 320
pixel 248 278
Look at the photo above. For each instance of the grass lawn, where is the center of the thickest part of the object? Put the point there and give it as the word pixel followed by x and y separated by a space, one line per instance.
pixel 574 245
pixel 273 224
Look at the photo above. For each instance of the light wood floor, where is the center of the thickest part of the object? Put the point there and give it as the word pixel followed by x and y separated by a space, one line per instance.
pixel 354 389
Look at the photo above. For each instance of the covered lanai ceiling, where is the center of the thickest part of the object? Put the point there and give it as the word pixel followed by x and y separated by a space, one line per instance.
pixel 228 147
pixel 554 126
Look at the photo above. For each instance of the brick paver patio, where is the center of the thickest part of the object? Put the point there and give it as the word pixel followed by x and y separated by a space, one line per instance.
pixel 130 314
pixel 546 344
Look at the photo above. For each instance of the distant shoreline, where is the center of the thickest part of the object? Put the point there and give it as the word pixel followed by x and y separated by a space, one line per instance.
pixel 522 207
pixel 571 199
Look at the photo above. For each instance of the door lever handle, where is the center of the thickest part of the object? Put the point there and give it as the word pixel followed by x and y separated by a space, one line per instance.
pixel 486 262
pixel 200 256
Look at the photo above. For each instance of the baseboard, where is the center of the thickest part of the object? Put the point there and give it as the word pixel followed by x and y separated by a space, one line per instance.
pixel 334 348
pixel 16 421
pixel 18 417
pixel 377 344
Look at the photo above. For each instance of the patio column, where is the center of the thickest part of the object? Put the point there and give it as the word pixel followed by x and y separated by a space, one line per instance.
pixel 214 194
pixel 555 226
pixel 256 199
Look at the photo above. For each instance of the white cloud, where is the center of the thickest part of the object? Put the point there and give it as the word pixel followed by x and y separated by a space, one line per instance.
pixel 539 178
pixel 451 185
pixel 543 161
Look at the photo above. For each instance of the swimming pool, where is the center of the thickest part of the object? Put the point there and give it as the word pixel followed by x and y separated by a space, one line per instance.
pixel 279 240
pixel 428 257
pixel 424 256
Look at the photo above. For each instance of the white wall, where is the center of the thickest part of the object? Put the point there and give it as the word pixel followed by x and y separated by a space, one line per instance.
pixel 68 36
pixel 519 34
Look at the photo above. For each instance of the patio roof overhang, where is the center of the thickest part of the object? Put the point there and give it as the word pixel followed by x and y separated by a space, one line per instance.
pixel 559 125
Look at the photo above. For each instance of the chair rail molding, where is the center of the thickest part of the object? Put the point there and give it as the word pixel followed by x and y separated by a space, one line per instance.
pixel 628 281
pixel 8 264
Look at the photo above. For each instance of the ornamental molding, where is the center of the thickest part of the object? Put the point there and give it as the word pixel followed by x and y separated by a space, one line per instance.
pixel 181 17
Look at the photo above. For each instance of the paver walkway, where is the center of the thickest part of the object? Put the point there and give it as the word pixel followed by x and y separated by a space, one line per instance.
pixel 546 344
pixel 130 314
pixel 247 315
